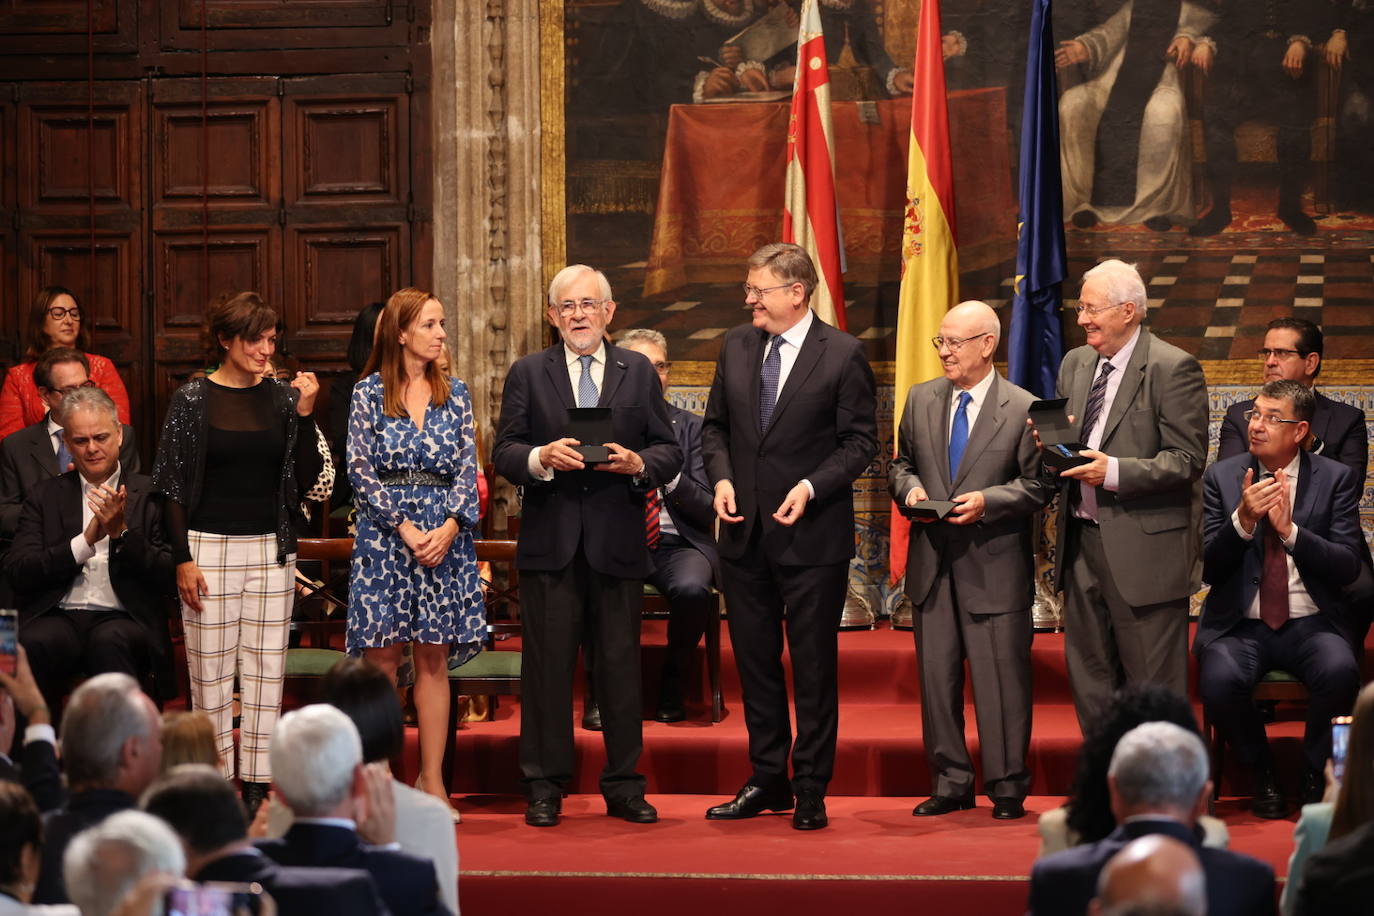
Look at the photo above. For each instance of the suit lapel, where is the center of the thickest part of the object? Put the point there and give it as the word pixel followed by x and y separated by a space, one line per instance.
pixel 937 419
pixel 1082 380
pixel 1302 506
pixel 756 344
pixel 611 376
pixel 813 346
pixel 41 450
pixel 990 419
pixel 1131 380
pixel 556 366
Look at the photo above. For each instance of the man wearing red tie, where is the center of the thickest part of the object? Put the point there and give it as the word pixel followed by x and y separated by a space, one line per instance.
pixel 1281 538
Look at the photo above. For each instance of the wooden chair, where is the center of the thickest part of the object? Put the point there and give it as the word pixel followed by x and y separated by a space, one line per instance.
pixel 656 607
pixel 1277 686
pixel 318 621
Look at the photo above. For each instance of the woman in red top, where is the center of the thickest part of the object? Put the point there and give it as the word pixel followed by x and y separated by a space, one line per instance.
pixel 54 321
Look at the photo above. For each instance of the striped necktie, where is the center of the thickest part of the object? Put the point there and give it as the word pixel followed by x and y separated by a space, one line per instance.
pixel 768 381
pixel 1097 396
pixel 587 395
pixel 653 504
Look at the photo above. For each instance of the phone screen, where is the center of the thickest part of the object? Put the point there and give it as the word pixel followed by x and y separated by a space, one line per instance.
pixel 9 640
pixel 1340 742
pixel 213 900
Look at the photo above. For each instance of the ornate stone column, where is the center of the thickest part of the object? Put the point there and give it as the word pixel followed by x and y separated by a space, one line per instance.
pixel 498 187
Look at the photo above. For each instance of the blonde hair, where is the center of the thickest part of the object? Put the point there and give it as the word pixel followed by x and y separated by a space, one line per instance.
pixel 188 737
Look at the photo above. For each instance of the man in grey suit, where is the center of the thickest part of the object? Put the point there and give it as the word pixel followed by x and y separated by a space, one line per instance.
pixel 36 453
pixel 1129 522
pixel 970 577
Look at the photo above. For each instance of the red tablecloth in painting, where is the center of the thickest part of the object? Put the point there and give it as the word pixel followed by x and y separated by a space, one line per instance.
pixel 721 193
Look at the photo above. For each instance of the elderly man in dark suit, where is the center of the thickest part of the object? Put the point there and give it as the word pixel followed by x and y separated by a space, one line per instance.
pixel 318 770
pixel 680 535
pixel 37 452
pixel 205 811
pixel 1143 405
pixel 963 438
pixel 1158 785
pixel 790 423
pixel 36 769
pixel 1282 538
pixel 582 553
pixel 89 564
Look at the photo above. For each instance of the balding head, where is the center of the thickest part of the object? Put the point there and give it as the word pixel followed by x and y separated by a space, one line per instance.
pixel 968 339
pixel 1155 875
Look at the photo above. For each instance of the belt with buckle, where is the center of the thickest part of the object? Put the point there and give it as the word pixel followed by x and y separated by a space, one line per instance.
pixel 417 479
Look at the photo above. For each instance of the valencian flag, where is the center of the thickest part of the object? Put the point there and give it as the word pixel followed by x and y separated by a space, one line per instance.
pixel 930 260
pixel 811 218
pixel 1036 343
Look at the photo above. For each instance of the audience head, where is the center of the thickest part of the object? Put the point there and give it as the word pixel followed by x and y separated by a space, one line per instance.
pixel 654 347
pixel 317 758
pixel 364 693
pixel 1154 875
pixel 21 839
pixel 241 332
pixel 581 307
pixel 1292 350
pixel 104 863
pixel 410 331
pixel 111 736
pixel 1355 800
pixel 59 371
pixel 188 737
pixel 1111 305
pixel 364 334
pixel 55 320
pixel 778 290
pixel 968 339
pixel 1279 422
pixel 1160 768
pixel 202 807
pixel 1090 811
pixel 91 428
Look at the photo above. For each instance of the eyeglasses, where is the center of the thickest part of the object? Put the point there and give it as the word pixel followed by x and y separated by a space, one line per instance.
pixel 68 389
pixel 57 313
pixel 757 292
pixel 954 343
pixel 1278 353
pixel 570 307
pixel 662 367
pixel 1268 419
pixel 1093 312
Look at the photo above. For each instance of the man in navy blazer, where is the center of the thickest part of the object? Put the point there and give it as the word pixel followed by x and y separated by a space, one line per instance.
pixel 1158 782
pixel 582 555
pixel 790 423
pixel 207 815
pixel 1281 539
pixel 684 549
pixel 318 770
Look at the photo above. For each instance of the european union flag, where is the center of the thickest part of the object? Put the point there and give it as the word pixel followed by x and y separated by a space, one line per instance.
pixel 1036 344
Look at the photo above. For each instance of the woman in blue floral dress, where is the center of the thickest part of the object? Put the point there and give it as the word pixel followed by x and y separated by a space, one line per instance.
pixel 412 461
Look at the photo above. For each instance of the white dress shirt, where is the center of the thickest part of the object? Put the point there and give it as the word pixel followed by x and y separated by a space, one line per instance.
pixel 598 371
pixel 1300 603
pixel 91 589
pixel 1087 496
pixel 978 394
pixel 788 350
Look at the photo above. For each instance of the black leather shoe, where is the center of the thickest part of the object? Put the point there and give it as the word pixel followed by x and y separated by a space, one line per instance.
pixel 1313 787
pixel 543 812
pixel 635 810
pixel 591 716
pixel 941 804
pixel 1008 809
pixel 1212 223
pixel 810 813
pixel 254 794
pixel 1298 221
pixel 752 801
pixel 1268 801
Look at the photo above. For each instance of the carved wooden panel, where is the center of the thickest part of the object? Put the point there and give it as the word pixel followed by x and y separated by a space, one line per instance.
pixel 238 260
pixel 107 284
pixel 248 24
pixel 61 26
pixel 11 307
pixel 235 141
pixel 346 140
pixel 332 272
pixel 72 153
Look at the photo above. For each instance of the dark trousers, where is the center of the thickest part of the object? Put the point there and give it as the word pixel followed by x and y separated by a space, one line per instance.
pixel 763 597
pixel 554 608
pixel 997 647
pixel 1109 643
pixel 683 574
pixel 1310 649
pixel 64 643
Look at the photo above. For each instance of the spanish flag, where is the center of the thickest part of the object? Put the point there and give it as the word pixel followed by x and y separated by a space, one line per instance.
pixel 930 260
pixel 811 217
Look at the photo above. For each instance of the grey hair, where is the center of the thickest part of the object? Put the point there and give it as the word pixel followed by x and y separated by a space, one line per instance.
pixel 1123 282
pixel 101 715
pixel 90 398
pixel 568 275
pixel 315 751
pixel 644 336
pixel 102 864
pixel 789 263
pixel 1299 395
pixel 990 323
pixel 1159 764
